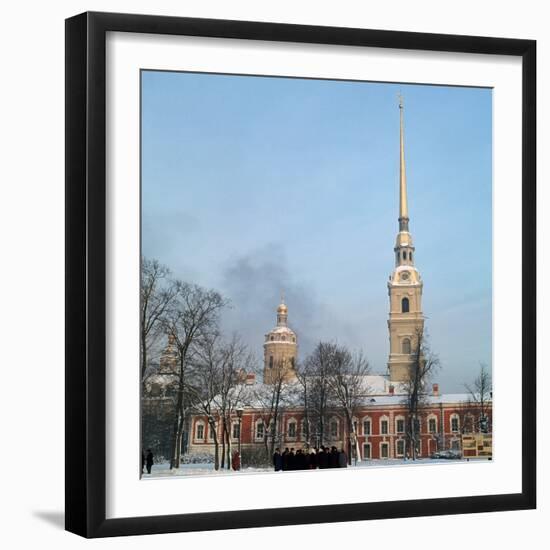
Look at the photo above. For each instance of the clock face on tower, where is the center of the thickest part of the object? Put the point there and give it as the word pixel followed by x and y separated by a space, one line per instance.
pixel 404 276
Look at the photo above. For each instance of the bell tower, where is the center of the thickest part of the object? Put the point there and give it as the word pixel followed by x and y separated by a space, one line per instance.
pixel 406 320
pixel 280 350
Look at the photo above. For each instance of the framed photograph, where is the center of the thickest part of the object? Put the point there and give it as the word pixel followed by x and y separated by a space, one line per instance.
pixel 300 274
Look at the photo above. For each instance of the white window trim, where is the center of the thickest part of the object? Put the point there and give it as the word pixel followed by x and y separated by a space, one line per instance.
pixel 369 445
pixel 382 419
pixel 288 423
pixel 433 416
pixel 454 415
pixel 397 454
pixel 380 450
pixel 256 424
pixel 369 420
pixel 196 433
pixel 400 417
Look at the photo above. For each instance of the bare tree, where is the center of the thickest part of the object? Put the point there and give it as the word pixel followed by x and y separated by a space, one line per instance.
pixel 481 396
pixel 193 318
pixel 205 384
pixel 313 375
pixel 271 399
pixel 157 295
pixel 416 389
pixel 235 359
pixel 347 382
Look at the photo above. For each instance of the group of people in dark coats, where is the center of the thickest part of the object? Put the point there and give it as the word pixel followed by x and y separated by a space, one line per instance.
pixel 312 459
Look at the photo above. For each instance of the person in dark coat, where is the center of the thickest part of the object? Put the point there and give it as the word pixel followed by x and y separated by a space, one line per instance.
pixel 333 458
pixel 277 460
pixel 322 458
pixel 284 458
pixel 342 459
pixel 291 459
pixel 307 463
pixel 149 460
pixel 312 460
pixel 236 461
pixel 300 460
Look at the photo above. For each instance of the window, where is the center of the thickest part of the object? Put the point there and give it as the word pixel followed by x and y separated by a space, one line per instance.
pixel 272 338
pixel 271 361
pixel 400 447
pixel 432 425
pixel 406 345
pixel 292 362
pixel 400 425
pixel 405 305
pixel 366 451
pixel 292 429
pixel 200 431
pixel 404 255
pixel 455 445
pixel 211 432
pixel 468 424
pixel 384 450
pixel 384 427
pixel 260 430
pixel 334 429
pixel 236 431
pixel 410 256
pixel 454 423
pixel 366 427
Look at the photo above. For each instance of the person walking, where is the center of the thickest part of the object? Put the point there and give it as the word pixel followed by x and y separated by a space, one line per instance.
pixel 149 460
pixel 277 460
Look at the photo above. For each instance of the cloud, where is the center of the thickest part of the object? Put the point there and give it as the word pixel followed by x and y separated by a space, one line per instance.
pixel 254 283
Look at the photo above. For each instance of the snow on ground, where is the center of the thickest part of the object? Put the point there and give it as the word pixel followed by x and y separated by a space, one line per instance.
pixel 163 470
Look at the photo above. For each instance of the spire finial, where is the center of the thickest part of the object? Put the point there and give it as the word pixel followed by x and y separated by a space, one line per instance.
pixel 403 208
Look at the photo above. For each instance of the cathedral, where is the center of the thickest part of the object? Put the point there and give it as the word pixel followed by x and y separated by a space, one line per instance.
pixel 378 430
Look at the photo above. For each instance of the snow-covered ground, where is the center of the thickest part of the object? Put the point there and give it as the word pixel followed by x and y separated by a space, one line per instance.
pixel 163 470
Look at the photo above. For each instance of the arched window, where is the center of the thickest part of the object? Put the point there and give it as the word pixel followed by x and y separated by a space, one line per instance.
pixel 199 433
pixel 404 255
pixel 406 346
pixel 405 305
pixel 410 256
pixel 271 361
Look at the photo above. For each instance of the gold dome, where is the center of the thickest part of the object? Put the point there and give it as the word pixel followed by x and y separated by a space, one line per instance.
pixel 282 308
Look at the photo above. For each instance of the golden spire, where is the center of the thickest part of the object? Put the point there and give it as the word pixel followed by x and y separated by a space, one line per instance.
pixel 403 209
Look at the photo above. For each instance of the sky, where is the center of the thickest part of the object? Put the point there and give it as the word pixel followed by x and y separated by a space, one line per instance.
pixel 255 186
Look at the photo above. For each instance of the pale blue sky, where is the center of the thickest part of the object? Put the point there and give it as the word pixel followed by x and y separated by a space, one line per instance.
pixel 254 185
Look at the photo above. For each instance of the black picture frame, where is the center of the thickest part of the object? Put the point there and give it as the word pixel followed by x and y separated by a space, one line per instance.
pixel 86 274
